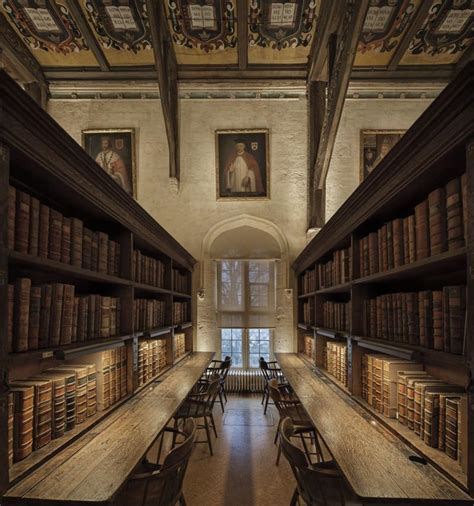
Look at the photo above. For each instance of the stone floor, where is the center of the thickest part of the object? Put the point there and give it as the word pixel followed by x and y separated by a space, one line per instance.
pixel 242 471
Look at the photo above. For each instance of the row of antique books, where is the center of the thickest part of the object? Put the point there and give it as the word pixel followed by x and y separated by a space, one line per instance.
pixel 308 346
pixel 179 345
pixel 337 315
pixel 308 310
pixel 39 230
pixel 324 275
pixel 149 314
pixel 180 282
pixel 438 224
pixel 44 407
pixel 181 312
pixel 48 315
pixel 335 360
pixel 151 359
pixel 435 410
pixel 148 270
pixel 432 319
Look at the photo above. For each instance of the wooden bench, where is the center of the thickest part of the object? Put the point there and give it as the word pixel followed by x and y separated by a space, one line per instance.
pixel 94 468
pixel 374 462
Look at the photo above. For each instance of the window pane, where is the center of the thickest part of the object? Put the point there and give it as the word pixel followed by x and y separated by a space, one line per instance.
pixel 253 360
pixel 237 333
pixel 236 346
pixel 264 347
pixel 226 347
pixel 253 333
pixel 226 333
pixel 265 334
pixel 253 347
pixel 237 360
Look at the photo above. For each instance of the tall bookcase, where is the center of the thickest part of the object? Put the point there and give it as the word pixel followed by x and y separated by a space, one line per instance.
pixel 438 148
pixel 39 158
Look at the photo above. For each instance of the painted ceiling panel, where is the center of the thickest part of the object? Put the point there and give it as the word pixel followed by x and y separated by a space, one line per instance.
pixel 281 32
pixel 49 31
pixel 447 32
pixel 122 30
pixel 385 25
pixel 204 32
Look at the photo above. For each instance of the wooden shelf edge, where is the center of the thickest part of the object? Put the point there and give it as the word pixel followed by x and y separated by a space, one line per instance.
pixel 158 332
pixel 182 295
pixel 342 288
pixel 21 469
pixel 307 295
pixel 67 269
pixel 303 326
pixel 414 268
pixel 331 333
pixel 185 325
pixel 438 459
pixel 150 288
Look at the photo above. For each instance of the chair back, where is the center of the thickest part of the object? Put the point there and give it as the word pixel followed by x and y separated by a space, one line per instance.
pixel 266 371
pixel 164 487
pixel 226 367
pixel 317 487
pixel 286 405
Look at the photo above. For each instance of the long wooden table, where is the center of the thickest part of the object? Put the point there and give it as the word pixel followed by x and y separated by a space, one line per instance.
pixel 375 463
pixel 93 469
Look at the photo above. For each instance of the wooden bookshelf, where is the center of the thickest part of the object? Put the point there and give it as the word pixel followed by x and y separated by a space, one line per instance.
pixel 39 158
pixel 436 149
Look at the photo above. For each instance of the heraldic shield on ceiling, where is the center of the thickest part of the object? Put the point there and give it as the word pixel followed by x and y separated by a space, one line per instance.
pixel 204 24
pixel 281 24
pixel 45 25
pixel 121 24
pixel 385 21
pixel 449 28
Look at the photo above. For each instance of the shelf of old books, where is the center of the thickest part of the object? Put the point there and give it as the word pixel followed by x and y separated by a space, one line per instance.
pixel 385 284
pixel 86 272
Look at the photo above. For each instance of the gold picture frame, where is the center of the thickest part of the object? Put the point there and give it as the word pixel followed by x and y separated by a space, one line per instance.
pixel 118 160
pixel 374 146
pixel 250 149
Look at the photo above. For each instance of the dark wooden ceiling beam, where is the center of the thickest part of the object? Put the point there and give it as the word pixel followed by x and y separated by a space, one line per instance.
pixel 242 33
pixel 166 70
pixel 345 48
pixel 25 65
pixel 87 33
pixel 326 24
pixel 415 25
pixel 414 73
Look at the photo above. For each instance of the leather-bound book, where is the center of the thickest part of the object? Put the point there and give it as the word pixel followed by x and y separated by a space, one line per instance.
pixel 105 316
pixel 437 221
pixel 111 257
pixel 103 252
pixel 21 314
pixel 34 227
pixel 11 411
pixel 34 320
pixel 384 248
pixel 43 241
pixel 75 318
pixel 446 332
pixel 451 427
pixel 412 238
pixel 419 402
pixel 118 255
pixel 55 235
pixel 390 251
pixel 465 219
pixel 454 214
pixel 22 224
pixel 398 242
pixel 438 325
pixel 77 228
pixel 425 312
pixel 373 254
pixel 91 312
pixel 23 403
pixel 11 217
pixel 422 232
pixel 67 315
pixel 81 374
pixel 406 241
pixel 98 316
pixel 457 314
pixel 11 305
pixel 70 380
pixel 94 251
pixel 66 241
pixel 87 248
pixel 57 298
pixel 82 323
pixel 45 315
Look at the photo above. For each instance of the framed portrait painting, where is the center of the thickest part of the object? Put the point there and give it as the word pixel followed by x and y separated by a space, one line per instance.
pixel 114 151
pixel 243 169
pixel 375 145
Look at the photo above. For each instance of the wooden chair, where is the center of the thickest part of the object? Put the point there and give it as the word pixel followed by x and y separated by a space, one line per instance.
pixel 320 484
pixel 162 484
pixel 289 406
pixel 199 405
pixel 220 367
pixel 270 370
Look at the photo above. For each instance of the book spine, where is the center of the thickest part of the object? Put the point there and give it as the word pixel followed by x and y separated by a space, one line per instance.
pixel 457 312
pixel 77 228
pixel 454 214
pixel 422 237
pixel 412 238
pixel 55 233
pixel 43 242
pixel 21 314
pixel 34 319
pixel 34 227
pixel 11 305
pixel 66 241
pixel 22 225
pixel 398 241
pixel 57 299
pixel 45 315
pixel 87 249
pixel 438 326
pixel 103 252
pixel 437 221
pixel 67 315
pixel 11 217
pixel 465 218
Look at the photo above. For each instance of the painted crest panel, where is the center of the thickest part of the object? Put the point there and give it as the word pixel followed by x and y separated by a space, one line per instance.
pixel 122 30
pixel 385 24
pixel 49 31
pixel 447 32
pixel 203 31
pixel 281 31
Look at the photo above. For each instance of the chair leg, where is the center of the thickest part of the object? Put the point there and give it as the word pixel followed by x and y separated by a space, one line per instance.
pixel 221 400
pixel 224 392
pixel 278 454
pixel 267 398
pixel 264 394
pixel 294 499
pixel 305 448
pixel 277 432
pixel 213 425
pixel 206 426
pixel 318 447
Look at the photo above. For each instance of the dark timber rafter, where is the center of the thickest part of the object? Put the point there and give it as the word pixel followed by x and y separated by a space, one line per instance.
pixel 341 50
pixel 166 69
pixel 242 35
